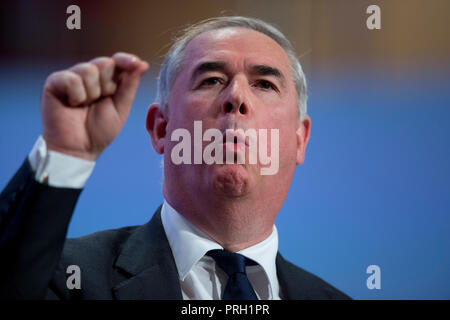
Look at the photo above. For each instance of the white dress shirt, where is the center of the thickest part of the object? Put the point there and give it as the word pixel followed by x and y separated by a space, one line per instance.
pixel 57 169
pixel 199 276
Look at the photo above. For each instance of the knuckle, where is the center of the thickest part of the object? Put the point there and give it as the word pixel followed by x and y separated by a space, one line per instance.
pixel 86 70
pixel 110 88
pixel 118 54
pixel 106 69
pixel 91 71
pixel 72 79
pixel 109 66
pixel 54 76
pixel 95 92
pixel 121 56
pixel 50 80
pixel 99 59
pixel 103 62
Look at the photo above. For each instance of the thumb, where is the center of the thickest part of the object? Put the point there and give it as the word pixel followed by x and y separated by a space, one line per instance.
pixel 127 88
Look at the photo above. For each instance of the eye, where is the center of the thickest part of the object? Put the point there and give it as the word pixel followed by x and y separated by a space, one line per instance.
pixel 266 85
pixel 211 81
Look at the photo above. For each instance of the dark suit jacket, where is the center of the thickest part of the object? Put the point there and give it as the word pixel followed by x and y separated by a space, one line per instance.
pixel 127 263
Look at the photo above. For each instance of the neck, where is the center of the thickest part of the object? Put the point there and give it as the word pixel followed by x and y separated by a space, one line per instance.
pixel 235 224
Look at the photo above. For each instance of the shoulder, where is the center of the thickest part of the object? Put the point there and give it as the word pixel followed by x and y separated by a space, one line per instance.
pixel 96 247
pixel 99 252
pixel 94 256
pixel 106 259
pixel 297 283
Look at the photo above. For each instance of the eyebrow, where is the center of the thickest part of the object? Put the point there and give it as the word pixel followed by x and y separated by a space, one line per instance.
pixel 264 70
pixel 259 69
pixel 209 66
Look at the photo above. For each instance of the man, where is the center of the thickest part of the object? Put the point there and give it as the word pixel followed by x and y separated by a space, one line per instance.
pixel 214 237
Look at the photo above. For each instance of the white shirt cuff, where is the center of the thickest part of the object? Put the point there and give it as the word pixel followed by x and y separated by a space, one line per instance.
pixel 58 169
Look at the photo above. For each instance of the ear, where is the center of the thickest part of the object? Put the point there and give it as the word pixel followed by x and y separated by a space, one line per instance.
pixel 156 123
pixel 303 132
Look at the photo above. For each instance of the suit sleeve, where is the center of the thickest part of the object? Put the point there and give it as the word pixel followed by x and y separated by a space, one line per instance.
pixel 34 219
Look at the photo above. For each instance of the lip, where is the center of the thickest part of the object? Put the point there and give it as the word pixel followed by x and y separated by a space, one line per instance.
pixel 235 137
pixel 234 141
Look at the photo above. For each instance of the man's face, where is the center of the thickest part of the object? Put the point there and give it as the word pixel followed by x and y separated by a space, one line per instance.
pixel 235 78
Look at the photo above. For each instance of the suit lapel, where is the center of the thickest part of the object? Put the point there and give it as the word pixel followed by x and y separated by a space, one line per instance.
pixel 299 284
pixel 150 271
pixel 292 286
pixel 148 262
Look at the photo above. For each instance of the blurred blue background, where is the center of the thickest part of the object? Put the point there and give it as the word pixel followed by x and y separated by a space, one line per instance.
pixel 374 189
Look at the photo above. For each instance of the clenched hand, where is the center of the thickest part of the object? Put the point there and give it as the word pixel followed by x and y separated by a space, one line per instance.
pixel 85 107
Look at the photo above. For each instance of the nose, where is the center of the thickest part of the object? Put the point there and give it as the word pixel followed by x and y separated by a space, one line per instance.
pixel 237 98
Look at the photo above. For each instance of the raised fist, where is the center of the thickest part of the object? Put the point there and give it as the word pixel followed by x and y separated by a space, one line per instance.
pixel 85 107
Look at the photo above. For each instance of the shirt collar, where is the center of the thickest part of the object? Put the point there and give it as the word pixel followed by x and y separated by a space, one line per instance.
pixel 265 253
pixel 189 245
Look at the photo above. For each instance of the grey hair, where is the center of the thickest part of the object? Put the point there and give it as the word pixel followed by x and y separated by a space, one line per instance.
pixel 173 61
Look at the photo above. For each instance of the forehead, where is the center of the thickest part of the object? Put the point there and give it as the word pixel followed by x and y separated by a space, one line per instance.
pixel 236 45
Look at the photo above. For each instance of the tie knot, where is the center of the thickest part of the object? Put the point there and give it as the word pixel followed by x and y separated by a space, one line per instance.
pixel 238 286
pixel 230 262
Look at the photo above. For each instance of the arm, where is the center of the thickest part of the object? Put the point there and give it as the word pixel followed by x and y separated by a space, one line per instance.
pixel 83 110
pixel 34 218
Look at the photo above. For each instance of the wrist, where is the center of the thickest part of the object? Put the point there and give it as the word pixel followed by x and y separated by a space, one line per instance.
pixel 58 169
pixel 73 153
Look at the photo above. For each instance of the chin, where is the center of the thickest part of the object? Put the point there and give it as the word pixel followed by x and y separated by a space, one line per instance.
pixel 231 180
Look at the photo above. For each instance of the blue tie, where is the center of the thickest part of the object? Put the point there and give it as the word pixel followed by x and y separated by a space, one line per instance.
pixel 238 287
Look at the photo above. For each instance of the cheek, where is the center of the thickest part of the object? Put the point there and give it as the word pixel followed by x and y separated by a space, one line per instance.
pixel 180 113
pixel 282 117
pixel 268 98
pixel 184 112
pixel 287 151
pixel 197 106
pixel 282 111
